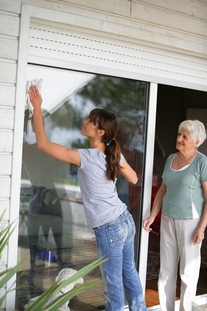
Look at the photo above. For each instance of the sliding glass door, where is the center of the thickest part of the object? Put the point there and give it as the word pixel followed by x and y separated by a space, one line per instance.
pixel 53 233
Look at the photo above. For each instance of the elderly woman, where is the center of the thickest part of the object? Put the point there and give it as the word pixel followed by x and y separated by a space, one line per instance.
pixel 183 199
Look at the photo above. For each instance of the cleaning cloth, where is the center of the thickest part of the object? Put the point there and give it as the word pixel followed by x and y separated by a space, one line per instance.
pixel 38 83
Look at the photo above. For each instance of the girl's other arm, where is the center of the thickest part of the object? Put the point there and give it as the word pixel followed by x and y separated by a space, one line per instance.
pixel 128 173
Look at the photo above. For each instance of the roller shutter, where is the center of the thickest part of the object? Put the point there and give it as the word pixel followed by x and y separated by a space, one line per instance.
pixel 87 51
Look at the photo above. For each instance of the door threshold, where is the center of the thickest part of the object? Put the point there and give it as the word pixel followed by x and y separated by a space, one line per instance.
pixel 200 304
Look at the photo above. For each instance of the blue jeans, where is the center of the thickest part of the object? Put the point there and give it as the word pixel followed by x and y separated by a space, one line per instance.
pixel 116 240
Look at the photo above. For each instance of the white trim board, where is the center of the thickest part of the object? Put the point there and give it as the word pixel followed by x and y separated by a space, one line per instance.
pixel 199 305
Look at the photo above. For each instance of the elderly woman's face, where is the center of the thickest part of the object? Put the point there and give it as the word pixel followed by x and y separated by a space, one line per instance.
pixel 184 141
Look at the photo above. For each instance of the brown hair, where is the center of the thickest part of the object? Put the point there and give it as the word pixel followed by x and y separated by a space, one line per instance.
pixel 107 121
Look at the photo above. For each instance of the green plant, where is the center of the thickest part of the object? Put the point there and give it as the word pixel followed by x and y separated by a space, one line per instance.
pixel 6 275
pixel 40 303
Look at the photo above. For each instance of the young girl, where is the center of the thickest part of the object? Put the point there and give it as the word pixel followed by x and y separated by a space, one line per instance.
pixel 98 168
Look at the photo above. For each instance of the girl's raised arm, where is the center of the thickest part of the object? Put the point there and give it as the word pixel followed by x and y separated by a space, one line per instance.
pixel 55 150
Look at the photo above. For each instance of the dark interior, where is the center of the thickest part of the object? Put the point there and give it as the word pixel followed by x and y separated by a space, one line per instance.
pixel 172 108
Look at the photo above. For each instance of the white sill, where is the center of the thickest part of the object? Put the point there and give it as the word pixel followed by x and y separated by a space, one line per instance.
pixel 199 305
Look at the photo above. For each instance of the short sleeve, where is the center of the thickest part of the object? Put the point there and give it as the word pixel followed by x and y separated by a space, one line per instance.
pixel 121 159
pixel 203 171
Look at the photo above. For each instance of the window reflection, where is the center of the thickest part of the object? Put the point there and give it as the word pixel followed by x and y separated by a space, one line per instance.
pixel 128 134
pixel 45 208
pixel 53 232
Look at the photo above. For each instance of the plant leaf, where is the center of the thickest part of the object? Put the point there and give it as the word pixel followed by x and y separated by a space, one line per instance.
pixel 38 304
pixel 8 273
pixel 64 298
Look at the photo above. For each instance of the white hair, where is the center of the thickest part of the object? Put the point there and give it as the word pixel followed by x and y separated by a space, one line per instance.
pixel 196 130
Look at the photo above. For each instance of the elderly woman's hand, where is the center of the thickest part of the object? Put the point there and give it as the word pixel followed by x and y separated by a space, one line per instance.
pixel 198 236
pixel 147 223
pixel 35 97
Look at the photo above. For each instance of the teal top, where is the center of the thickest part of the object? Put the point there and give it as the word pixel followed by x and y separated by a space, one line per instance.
pixel 184 197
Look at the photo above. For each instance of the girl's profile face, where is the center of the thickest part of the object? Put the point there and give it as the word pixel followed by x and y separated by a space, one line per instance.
pixel 88 129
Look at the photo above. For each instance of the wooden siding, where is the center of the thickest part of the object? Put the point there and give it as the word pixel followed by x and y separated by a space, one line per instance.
pixel 6 141
pixel 13 7
pixel 9 40
pixel 6 118
pixel 8 48
pixel 7 92
pixel 5 164
pixel 180 25
pixel 5 184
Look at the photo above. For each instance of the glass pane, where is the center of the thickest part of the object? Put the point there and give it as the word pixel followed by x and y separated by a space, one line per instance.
pixel 53 233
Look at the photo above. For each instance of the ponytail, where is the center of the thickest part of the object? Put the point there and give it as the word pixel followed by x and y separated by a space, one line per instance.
pixel 113 155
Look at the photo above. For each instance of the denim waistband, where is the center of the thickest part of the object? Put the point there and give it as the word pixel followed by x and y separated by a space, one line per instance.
pixel 121 216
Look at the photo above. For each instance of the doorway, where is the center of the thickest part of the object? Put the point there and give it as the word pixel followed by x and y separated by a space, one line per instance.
pixel 174 105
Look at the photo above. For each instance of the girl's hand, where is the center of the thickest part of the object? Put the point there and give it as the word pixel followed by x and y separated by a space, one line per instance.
pixel 35 97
